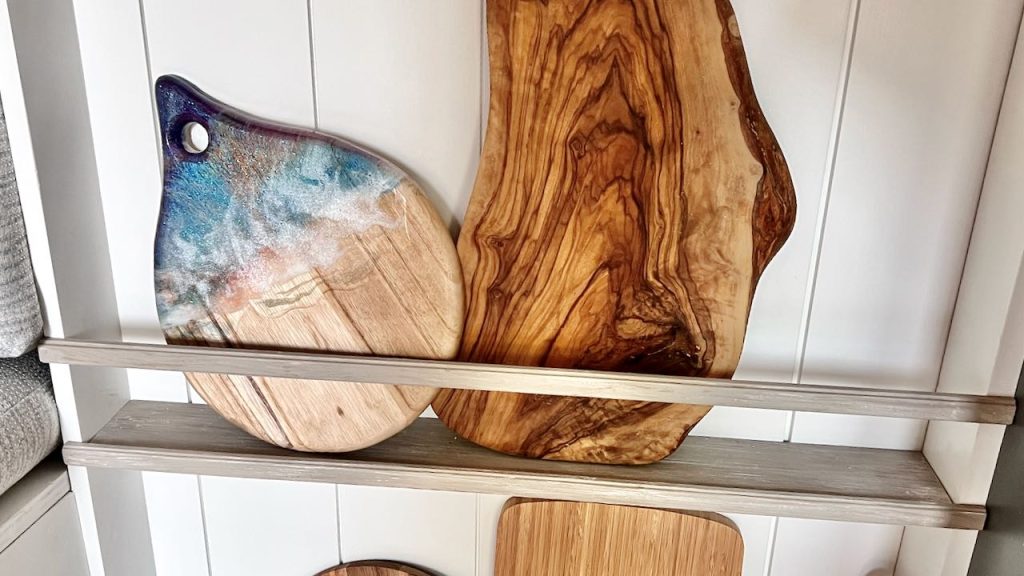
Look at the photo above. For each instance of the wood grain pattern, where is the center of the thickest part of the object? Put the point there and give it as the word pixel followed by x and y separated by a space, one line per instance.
pixel 586 539
pixel 892 403
pixel 281 238
pixel 707 474
pixel 629 198
pixel 374 568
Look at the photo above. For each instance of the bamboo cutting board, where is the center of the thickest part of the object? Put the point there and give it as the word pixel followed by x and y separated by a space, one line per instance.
pixel 630 195
pixel 585 539
pixel 272 237
pixel 373 568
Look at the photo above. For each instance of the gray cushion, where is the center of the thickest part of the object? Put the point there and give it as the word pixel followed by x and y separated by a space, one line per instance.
pixel 20 321
pixel 29 429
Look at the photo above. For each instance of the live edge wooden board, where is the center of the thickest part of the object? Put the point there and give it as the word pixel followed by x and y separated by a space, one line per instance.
pixel 272 237
pixel 630 195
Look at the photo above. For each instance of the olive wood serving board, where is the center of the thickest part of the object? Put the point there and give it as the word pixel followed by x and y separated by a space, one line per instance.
pixel 275 237
pixel 630 195
pixel 374 568
pixel 557 538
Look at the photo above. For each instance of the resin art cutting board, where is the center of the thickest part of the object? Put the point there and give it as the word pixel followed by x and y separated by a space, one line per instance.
pixel 629 197
pixel 276 238
pixel 584 539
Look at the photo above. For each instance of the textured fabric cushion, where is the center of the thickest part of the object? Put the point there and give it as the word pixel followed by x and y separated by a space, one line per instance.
pixel 20 321
pixel 28 417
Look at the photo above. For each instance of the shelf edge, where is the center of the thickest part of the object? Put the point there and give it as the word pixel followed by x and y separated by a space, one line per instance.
pixel 564 382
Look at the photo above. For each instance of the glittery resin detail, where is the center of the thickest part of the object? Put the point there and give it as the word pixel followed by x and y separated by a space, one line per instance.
pixel 258 207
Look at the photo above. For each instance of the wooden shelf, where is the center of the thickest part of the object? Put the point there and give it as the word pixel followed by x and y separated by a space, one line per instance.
pixel 644 387
pixel 706 474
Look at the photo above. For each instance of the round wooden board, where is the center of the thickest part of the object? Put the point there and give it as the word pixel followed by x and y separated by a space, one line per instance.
pixel 630 195
pixel 278 238
pixel 374 568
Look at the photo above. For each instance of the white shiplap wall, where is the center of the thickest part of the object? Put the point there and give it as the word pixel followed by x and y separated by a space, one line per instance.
pixel 883 107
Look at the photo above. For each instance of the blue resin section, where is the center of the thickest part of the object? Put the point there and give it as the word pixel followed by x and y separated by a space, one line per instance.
pixel 262 202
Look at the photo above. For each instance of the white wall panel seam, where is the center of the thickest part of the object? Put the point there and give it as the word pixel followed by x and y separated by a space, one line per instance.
pixel 819 232
pixel 312 64
pixel 476 537
pixel 149 77
pixel 202 516
pixel 773 531
pixel 826 192
pixel 337 515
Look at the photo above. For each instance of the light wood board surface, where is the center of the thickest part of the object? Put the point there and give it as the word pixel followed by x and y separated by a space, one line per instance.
pixel 705 474
pixel 374 568
pixel 278 238
pixel 630 195
pixel 586 539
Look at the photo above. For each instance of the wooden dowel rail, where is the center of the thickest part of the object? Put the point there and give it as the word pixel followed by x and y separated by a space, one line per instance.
pixel 647 387
pixel 624 386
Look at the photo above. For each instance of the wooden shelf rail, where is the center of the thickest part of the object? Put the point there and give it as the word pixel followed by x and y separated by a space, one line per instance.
pixel 705 474
pixel 644 387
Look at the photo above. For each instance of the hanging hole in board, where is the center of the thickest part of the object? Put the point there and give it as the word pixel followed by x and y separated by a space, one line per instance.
pixel 194 138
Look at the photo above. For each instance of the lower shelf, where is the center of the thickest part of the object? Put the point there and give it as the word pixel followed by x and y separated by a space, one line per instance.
pixel 706 474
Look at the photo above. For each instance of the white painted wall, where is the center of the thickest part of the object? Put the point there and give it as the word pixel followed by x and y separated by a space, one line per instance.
pixel 42 86
pixel 986 341
pixel 884 109
pixel 52 546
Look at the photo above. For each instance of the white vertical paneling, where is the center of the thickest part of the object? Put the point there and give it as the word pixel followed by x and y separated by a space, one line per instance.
pixel 818 547
pixel 986 340
pixel 176 524
pixel 118 85
pixel 488 512
pixel 44 89
pixel 924 89
pixel 923 92
pixel 846 430
pixel 435 530
pixel 50 97
pixel 402 77
pixel 795 52
pixel 269 528
pixel 935 552
pixel 254 55
pixel 43 258
pixel 124 134
pixel 50 547
pixel 757 533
